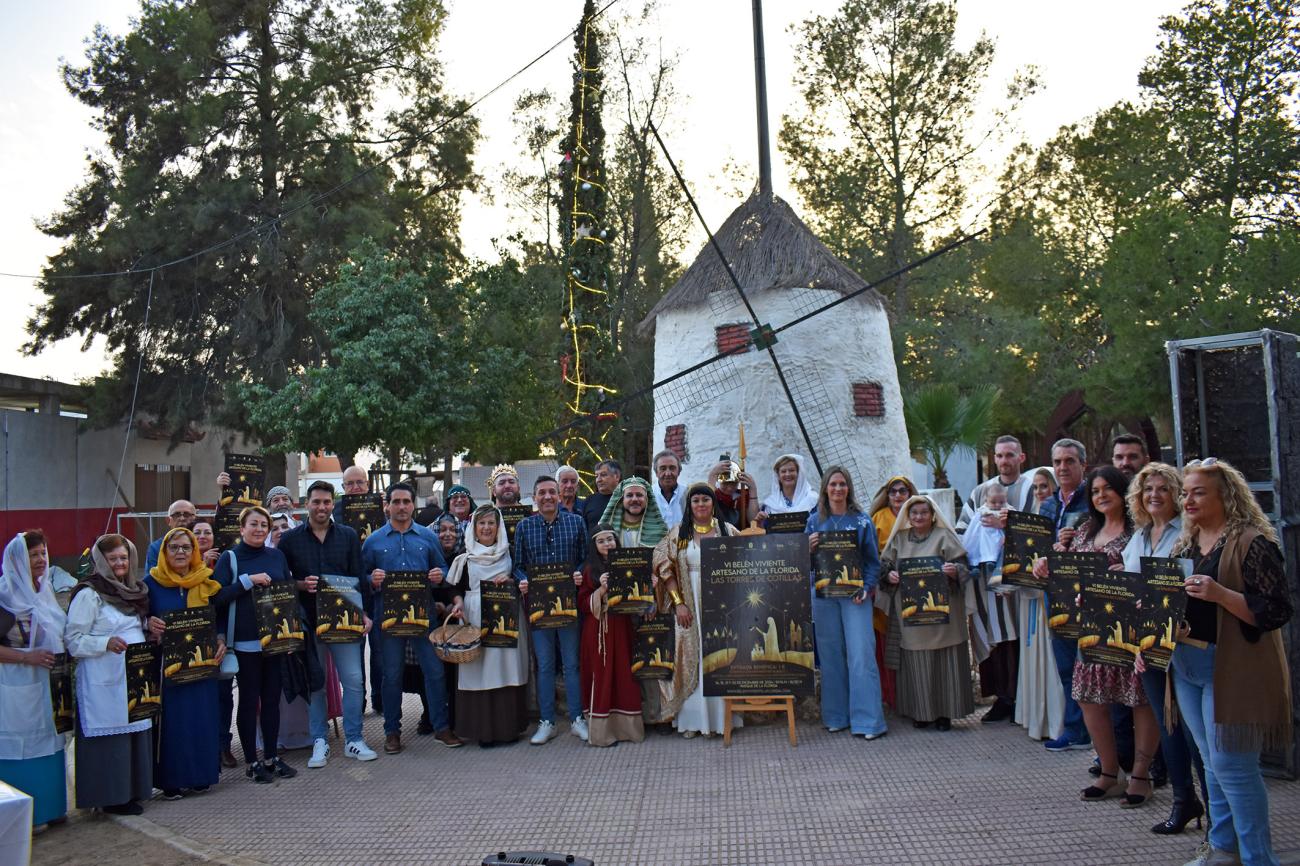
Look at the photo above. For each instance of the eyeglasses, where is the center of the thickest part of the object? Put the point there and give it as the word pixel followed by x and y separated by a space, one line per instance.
pixel 1202 464
pixel 898 491
pixel 179 548
pixel 183 514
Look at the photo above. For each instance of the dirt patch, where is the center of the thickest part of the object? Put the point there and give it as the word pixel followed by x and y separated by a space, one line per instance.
pixel 95 837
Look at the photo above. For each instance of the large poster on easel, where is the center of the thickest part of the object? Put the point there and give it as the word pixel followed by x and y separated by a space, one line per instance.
pixel 756 616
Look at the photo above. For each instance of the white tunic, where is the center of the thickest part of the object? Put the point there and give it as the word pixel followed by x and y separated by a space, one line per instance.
pixel 101 675
pixel 26 716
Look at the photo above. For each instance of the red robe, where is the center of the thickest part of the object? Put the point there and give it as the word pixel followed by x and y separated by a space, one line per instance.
pixel 610 694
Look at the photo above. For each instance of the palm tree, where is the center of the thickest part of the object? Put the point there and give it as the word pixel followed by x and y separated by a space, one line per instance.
pixel 941 422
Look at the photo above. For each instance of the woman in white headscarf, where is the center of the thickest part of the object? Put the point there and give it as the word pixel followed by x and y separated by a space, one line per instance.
pixel 933 660
pixel 31 633
pixel 491 692
pixel 792 490
pixel 1040 699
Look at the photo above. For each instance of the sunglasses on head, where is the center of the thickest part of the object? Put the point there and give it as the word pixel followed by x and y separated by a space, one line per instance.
pixel 1203 464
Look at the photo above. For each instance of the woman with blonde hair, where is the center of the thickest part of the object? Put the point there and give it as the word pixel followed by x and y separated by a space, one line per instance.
pixel 1155 505
pixel 1043 486
pixel 253 563
pixel 1230 672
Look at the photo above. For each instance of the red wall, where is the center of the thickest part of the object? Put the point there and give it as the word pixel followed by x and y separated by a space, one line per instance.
pixel 68 530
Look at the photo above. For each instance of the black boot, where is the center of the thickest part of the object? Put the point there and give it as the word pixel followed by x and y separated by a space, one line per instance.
pixel 1186 807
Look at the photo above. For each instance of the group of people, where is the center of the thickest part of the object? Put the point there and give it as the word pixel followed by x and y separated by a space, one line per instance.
pixel 1227 690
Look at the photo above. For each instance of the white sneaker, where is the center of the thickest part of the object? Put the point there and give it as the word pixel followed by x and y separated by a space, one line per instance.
pixel 1207 856
pixel 579 729
pixel 359 750
pixel 320 754
pixel 545 733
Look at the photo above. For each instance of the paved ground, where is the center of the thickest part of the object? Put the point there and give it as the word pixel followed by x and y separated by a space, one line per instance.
pixel 977 795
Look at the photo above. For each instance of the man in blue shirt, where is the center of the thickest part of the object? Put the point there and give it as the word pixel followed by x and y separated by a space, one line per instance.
pixel 180 513
pixel 551 536
pixel 567 478
pixel 316 549
pixel 1068 507
pixel 403 545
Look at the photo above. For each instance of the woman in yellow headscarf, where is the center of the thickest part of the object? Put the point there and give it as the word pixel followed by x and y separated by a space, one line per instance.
pixel 884 507
pixel 188 740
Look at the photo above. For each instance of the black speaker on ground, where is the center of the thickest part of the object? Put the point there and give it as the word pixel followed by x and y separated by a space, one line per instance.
pixel 535 858
pixel 1237 398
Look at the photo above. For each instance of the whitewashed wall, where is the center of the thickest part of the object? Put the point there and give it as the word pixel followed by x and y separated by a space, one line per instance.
pixel 848 344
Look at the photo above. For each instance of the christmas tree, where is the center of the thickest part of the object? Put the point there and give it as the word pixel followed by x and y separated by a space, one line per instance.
pixel 584 236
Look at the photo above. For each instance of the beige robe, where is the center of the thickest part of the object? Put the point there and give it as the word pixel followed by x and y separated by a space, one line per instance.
pixel 941 542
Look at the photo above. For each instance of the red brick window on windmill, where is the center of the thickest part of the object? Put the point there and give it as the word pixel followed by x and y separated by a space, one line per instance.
pixel 729 337
pixel 868 400
pixel 675 440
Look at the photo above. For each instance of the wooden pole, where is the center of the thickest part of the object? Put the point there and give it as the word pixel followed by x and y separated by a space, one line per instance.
pixel 760 93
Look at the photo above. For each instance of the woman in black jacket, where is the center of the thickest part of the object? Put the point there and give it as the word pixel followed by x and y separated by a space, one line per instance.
pixel 247 565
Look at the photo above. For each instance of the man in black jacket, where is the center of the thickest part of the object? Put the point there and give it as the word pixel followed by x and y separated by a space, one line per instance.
pixel 323 550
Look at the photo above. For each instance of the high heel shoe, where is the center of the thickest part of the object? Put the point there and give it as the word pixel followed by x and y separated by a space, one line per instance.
pixel 1096 792
pixel 1133 801
pixel 1180 816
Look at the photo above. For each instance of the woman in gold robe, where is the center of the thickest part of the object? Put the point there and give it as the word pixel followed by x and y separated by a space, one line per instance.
pixel 677 565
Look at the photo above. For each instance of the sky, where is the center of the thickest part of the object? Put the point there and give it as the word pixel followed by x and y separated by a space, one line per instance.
pixel 1088 56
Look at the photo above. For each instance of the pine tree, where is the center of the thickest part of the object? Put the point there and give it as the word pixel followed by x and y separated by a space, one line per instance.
pixel 254 120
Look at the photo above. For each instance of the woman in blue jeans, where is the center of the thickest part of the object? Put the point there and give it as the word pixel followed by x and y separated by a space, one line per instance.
pixel 1230 673
pixel 845 639
pixel 1155 504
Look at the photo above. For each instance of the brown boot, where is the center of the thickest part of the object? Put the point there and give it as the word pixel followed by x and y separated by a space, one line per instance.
pixel 228 760
pixel 447 738
pixel 392 744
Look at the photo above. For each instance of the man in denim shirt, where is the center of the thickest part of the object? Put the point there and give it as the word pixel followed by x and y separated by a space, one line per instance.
pixel 552 535
pixel 404 545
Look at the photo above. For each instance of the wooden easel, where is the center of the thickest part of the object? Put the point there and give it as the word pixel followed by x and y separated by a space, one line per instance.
pixel 765 704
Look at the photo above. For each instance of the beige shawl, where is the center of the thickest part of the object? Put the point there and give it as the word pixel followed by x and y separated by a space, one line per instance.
pixel 943 543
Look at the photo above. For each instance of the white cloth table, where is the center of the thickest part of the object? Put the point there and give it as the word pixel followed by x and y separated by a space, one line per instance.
pixel 15 827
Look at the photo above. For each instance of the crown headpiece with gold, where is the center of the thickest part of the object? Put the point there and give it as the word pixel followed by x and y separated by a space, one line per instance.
pixel 497 472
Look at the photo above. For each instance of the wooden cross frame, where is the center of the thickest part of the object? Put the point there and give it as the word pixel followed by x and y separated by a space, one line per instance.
pixel 764 704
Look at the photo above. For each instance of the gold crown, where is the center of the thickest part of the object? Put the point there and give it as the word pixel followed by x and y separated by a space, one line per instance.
pixel 498 471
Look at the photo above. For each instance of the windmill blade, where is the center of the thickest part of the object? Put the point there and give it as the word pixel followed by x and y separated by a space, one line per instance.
pixel 686 393
pixel 713 242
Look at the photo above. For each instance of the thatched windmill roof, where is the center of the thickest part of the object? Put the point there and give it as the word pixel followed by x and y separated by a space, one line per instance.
pixel 768 247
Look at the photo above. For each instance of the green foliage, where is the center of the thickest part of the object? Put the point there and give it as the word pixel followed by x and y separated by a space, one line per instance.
pixel 1171 218
pixel 219 117
pixel 884 146
pixel 941 422
pixel 417 362
pixel 1175 215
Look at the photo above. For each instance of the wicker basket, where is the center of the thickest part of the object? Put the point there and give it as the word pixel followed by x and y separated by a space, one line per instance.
pixel 456 644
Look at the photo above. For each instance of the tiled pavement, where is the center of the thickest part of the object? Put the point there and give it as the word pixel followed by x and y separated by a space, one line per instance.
pixel 979 795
